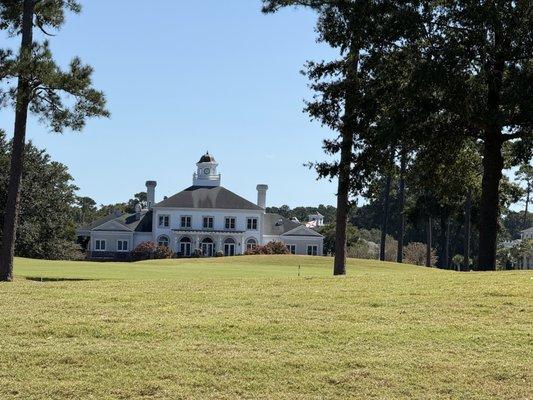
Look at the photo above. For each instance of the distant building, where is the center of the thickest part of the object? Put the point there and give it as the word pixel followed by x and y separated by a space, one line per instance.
pixel 315 221
pixel 204 216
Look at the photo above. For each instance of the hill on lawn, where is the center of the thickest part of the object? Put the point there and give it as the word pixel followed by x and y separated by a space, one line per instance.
pixel 250 327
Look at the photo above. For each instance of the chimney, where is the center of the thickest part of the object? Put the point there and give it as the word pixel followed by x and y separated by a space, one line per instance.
pixel 150 193
pixel 261 195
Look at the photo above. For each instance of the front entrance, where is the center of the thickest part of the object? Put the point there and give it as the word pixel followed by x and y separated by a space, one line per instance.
pixel 185 247
pixel 207 247
pixel 229 247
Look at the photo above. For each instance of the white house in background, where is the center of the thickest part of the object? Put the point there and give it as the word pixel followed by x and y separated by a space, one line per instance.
pixel 315 221
pixel 527 234
pixel 204 216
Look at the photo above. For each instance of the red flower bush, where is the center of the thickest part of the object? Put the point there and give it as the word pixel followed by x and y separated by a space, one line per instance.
pixel 269 248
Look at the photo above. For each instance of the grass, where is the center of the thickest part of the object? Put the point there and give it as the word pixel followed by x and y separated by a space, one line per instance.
pixel 249 327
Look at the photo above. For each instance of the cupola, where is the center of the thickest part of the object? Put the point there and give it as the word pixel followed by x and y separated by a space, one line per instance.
pixel 206 173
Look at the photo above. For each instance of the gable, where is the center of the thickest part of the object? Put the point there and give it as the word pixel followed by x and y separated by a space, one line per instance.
pixel 114 226
pixel 302 230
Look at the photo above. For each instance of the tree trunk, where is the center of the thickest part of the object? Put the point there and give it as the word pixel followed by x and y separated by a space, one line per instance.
pixel 489 208
pixel 528 196
pixel 428 241
pixel 443 242
pixel 468 211
pixel 492 167
pixel 446 264
pixel 17 151
pixel 401 201
pixel 343 192
pixel 385 216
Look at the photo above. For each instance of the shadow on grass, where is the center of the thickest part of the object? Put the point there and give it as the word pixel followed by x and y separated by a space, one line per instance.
pixel 44 279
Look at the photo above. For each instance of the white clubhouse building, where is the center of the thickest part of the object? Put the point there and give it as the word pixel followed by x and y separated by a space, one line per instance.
pixel 204 216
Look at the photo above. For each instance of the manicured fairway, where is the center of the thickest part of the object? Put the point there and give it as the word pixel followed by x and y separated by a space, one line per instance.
pixel 249 327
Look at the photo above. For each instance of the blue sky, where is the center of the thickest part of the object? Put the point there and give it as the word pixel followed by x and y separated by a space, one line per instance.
pixel 184 77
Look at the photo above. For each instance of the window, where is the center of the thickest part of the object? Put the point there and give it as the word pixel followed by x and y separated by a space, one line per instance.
pixel 251 244
pixel 312 250
pixel 186 221
pixel 99 245
pixel 291 248
pixel 251 224
pixel 163 240
pixel 164 221
pixel 185 247
pixel 208 222
pixel 122 245
pixel 230 223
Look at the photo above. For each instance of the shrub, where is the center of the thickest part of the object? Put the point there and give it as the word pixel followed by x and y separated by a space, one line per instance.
pixel 197 253
pixel 269 248
pixel 219 253
pixel 162 253
pixel 415 253
pixel 60 249
pixel 457 260
pixel 363 249
pixel 276 248
pixel 144 251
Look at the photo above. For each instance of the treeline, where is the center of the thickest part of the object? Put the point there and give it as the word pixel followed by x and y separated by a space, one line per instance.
pixel 432 99
pixel 50 210
pixel 365 223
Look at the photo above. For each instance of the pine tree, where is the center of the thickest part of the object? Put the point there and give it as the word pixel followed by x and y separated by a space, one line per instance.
pixel 355 28
pixel 41 86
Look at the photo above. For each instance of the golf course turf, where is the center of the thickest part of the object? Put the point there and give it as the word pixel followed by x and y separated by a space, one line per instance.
pixel 263 327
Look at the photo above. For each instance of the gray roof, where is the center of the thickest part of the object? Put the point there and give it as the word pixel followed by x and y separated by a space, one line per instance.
pixel 98 222
pixel 143 224
pixel 128 221
pixel 276 225
pixel 208 197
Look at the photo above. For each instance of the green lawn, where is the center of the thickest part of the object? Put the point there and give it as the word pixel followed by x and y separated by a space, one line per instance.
pixel 249 327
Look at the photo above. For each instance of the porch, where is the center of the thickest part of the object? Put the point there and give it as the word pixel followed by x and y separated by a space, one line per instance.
pixel 209 242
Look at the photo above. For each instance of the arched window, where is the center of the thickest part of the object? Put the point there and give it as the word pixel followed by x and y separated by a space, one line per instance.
pixel 251 244
pixel 185 246
pixel 208 247
pixel 163 240
pixel 229 247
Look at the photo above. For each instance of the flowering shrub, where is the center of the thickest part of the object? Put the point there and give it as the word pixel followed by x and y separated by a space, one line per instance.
pixel 162 253
pixel 269 248
pixel 144 251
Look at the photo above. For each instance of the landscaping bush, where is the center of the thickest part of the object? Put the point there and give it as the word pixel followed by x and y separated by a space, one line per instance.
pixel 197 253
pixel 219 253
pixel 144 251
pixel 162 253
pixel 269 248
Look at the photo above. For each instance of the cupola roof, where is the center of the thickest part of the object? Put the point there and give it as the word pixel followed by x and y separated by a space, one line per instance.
pixel 207 158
